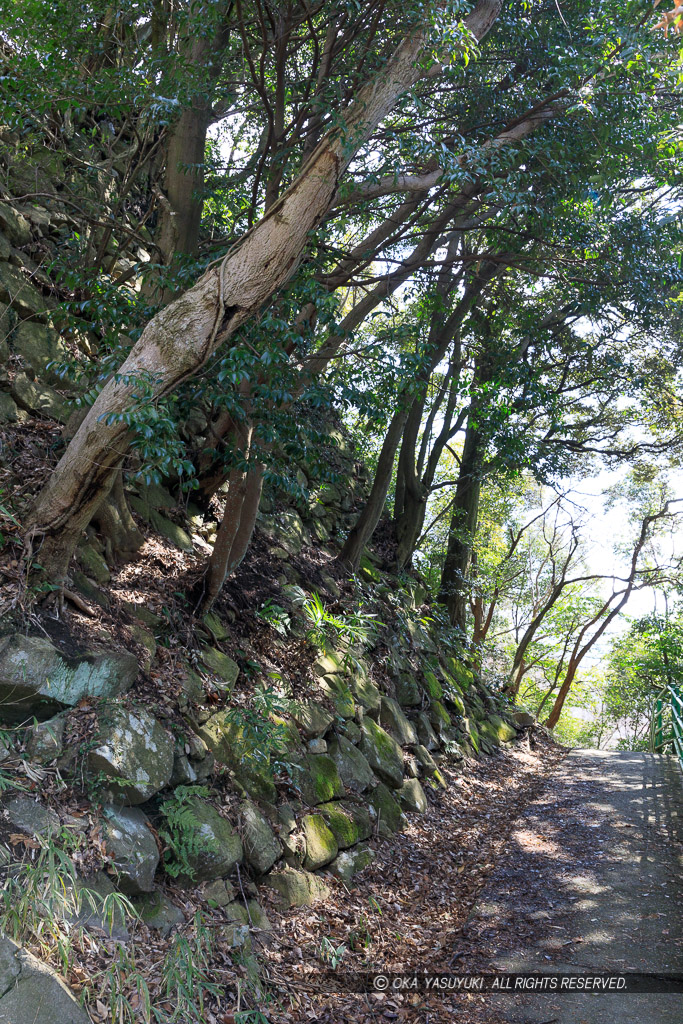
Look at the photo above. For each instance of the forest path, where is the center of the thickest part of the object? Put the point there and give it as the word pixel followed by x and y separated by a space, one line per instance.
pixel 534 860
pixel 591 881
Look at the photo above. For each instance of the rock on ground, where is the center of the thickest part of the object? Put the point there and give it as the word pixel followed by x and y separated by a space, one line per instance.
pixel 31 993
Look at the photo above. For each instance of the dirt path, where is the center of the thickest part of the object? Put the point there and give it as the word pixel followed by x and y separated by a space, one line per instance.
pixel 591 882
pixel 408 909
pixel 531 861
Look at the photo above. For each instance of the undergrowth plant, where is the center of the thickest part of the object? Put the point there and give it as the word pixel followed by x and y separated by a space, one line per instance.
pixel 260 734
pixel 182 832
pixel 186 980
pixel 356 629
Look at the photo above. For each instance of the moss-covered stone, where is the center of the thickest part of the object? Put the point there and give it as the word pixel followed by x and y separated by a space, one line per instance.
pixel 158 912
pixel 218 849
pixel 215 627
pixel 312 719
pixel 385 811
pixel 255 779
pixel 368 571
pixel 321 845
pixel 433 686
pixel 316 778
pixel 365 692
pixel 297 888
pixel 331 663
pixel 351 862
pixel 221 665
pixel 455 702
pixel 339 692
pixel 439 717
pixel 425 732
pixel 412 796
pixel 38 679
pixel 134 752
pixel 225 738
pixel 382 752
pixel 341 824
pixel 38 346
pixel 496 730
pixel 407 691
pixel 171 531
pixel 395 722
pixel 463 676
pixel 261 846
pixel 471 732
pixel 352 765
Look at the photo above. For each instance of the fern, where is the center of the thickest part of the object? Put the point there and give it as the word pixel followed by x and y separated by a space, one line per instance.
pixel 183 832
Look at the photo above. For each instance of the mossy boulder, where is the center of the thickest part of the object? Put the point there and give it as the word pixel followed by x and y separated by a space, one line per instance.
pixel 297 888
pixel 497 730
pixel 385 811
pixel 312 719
pixel 321 845
pixel 18 292
pixel 31 992
pixel 432 686
pixel 38 346
pixel 339 692
pixel 425 732
pixel 412 796
pixel 439 717
pixel 368 571
pixel 159 912
pixel 471 732
pixel 261 846
pixel 463 676
pixel 134 752
pixel 131 848
pixel 392 719
pixel 407 691
pixel 316 778
pixel 216 848
pixel 342 824
pixel 36 679
pixel 353 767
pixel 45 740
pixel 331 663
pixel 220 665
pixel 383 753
pixel 255 779
pixel 350 862
pixel 365 692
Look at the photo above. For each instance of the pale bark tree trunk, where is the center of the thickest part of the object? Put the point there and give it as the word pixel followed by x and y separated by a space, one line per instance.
pixel 183 335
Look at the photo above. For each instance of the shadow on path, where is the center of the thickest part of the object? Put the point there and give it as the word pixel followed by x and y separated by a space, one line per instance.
pixel 590 881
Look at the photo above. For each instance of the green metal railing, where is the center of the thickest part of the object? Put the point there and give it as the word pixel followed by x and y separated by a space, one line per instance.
pixel 667 724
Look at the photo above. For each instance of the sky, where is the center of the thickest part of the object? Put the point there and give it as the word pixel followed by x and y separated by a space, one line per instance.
pixel 604 528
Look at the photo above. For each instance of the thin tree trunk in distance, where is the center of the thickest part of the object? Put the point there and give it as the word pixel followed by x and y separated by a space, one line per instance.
pixel 352 551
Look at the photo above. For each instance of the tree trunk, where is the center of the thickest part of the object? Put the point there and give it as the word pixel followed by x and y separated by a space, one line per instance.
pixel 122 539
pixel 462 530
pixel 239 519
pixel 353 548
pixel 182 214
pixel 554 716
pixel 182 336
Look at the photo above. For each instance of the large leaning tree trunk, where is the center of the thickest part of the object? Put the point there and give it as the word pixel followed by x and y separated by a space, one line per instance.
pixel 183 335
